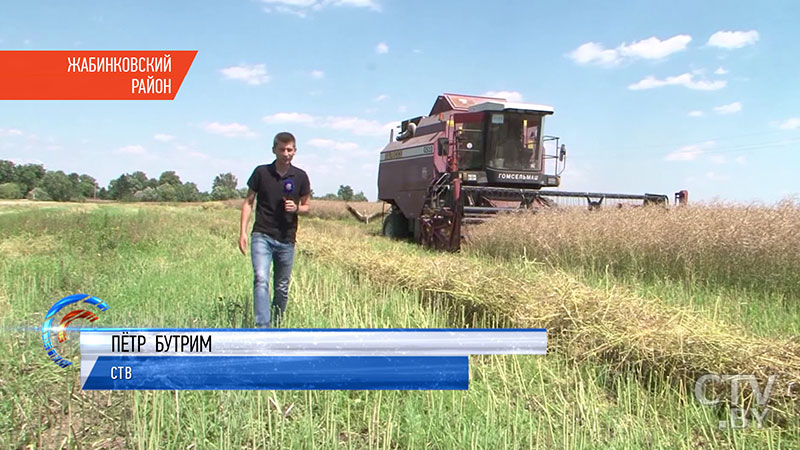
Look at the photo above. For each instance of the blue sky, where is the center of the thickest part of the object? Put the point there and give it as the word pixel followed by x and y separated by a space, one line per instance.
pixel 649 96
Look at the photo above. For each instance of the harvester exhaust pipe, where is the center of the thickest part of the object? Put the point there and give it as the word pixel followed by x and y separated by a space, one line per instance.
pixel 409 132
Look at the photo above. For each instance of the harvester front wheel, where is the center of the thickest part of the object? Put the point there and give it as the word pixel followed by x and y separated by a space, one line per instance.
pixel 395 225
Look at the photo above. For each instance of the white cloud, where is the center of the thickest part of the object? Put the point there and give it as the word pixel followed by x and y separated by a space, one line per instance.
pixel 733 39
pixel 689 152
pixel 790 124
pixel 381 98
pixel 402 109
pixel 233 129
pixel 696 113
pixel 298 3
pixel 301 13
pixel 355 125
pixel 301 8
pixel 288 117
pixel 511 96
pixel 332 145
pixel 317 74
pixel 721 71
pixel 594 53
pixel 371 4
pixel 7 132
pixel 650 48
pixel 740 160
pixel 654 48
pixel 686 80
pixel 254 74
pixel 381 48
pixel 730 108
pixel 163 137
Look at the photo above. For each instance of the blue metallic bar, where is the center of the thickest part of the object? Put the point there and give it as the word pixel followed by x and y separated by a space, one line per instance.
pixel 279 372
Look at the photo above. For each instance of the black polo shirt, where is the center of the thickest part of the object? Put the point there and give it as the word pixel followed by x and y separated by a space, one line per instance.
pixel 271 217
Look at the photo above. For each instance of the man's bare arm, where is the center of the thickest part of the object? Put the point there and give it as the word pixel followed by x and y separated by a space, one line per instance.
pixel 244 222
pixel 305 205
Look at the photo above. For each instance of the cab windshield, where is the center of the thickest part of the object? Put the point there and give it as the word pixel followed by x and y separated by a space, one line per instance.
pixel 514 141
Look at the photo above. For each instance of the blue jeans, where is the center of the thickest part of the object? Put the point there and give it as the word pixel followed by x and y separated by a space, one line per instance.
pixel 264 251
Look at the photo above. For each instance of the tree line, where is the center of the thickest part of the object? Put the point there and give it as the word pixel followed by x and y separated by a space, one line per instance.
pixel 33 182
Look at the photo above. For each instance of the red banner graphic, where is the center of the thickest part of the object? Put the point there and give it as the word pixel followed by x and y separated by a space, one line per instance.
pixel 93 75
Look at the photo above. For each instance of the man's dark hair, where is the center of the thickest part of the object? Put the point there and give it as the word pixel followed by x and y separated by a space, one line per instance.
pixel 284 137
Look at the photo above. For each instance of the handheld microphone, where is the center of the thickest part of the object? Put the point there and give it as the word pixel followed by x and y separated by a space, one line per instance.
pixel 288 188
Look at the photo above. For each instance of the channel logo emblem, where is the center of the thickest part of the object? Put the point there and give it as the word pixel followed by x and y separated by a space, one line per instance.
pixel 61 329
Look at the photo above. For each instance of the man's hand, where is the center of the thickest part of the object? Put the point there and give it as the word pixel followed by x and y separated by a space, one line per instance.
pixel 243 243
pixel 289 205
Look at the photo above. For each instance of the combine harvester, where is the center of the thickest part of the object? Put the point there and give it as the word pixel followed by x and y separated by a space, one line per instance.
pixel 470 159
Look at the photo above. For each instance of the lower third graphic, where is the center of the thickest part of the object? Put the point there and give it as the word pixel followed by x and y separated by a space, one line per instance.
pixel 66 320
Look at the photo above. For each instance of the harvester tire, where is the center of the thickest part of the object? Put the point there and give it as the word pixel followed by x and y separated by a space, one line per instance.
pixel 395 225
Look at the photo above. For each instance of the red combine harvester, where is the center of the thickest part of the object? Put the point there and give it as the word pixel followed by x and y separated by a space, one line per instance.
pixel 470 159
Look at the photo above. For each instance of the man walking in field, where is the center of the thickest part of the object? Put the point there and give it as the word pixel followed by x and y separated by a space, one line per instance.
pixel 283 192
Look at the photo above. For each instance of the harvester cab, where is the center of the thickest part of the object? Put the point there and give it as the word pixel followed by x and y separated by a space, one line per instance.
pixel 501 144
pixel 469 159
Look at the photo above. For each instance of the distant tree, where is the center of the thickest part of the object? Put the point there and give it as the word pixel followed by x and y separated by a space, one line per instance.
pixel 311 194
pixel 87 186
pixel 224 187
pixel 28 175
pixel 140 181
pixel 167 193
pixel 169 177
pixel 147 194
pixel 330 196
pixel 122 188
pixel 7 172
pixel 60 186
pixel 188 192
pixel 10 191
pixel 38 193
pixel 102 193
pixel 226 180
pixel 360 197
pixel 345 193
pixel 224 193
pixel 243 192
